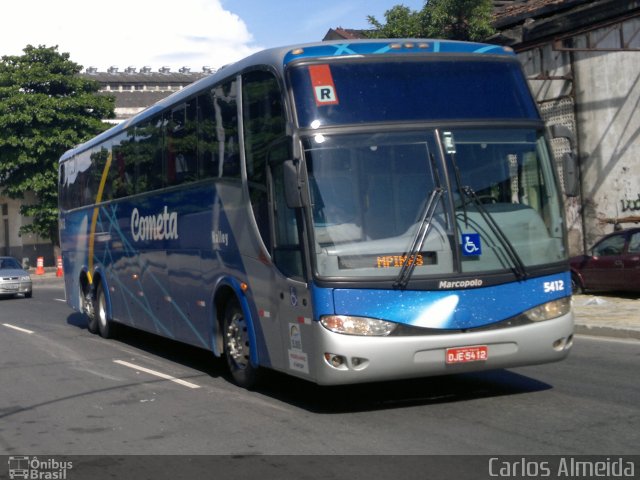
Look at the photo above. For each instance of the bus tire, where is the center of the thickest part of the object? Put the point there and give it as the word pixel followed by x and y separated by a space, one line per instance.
pixel 87 309
pixel 237 346
pixel 105 326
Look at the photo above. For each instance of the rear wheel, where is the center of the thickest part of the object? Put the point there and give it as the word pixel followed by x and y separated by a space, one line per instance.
pixel 86 308
pixel 105 326
pixel 237 346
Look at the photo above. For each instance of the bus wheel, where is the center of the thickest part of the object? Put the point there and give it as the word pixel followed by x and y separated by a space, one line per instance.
pixel 105 325
pixel 237 347
pixel 86 308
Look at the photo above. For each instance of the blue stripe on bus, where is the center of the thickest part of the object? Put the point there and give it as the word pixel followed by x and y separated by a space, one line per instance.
pixel 137 272
pixel 394 47
pixel 445 309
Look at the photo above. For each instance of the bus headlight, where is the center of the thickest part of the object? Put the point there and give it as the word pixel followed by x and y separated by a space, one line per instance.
pixel 549 310
pixel 348 325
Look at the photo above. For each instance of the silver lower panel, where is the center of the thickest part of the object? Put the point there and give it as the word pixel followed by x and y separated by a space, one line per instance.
pixel 370 359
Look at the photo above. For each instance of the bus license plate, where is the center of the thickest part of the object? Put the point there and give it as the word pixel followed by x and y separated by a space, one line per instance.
pixel 477 353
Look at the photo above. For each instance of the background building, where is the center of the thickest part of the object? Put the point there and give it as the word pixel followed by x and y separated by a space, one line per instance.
pixel 582 59
pixel 136 90
pixel 12 242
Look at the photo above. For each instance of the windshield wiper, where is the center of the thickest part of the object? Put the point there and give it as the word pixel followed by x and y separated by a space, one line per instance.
pixel 519 267
pixel 424 226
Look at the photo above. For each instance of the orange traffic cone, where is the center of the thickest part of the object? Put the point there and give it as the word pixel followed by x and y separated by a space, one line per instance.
pixel 59 272
pixel 40 266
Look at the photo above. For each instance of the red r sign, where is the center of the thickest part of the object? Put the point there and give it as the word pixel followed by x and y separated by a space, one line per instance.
pixel 323 87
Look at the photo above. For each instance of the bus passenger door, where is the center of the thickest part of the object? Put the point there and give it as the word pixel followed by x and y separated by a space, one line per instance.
pixel 283 302
pixel 280 292
pixel 290 289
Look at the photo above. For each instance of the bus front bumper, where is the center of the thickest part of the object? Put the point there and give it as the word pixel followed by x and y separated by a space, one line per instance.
pixel 345 359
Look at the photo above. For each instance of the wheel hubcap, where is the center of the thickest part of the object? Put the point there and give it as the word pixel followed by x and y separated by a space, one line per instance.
pixel 238 341
pixel 86 305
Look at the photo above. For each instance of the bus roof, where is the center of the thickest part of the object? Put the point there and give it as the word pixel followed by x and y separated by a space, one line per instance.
pixel 280 57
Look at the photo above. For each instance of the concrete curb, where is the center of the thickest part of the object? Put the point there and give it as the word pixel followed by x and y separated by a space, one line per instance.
pixel 607 331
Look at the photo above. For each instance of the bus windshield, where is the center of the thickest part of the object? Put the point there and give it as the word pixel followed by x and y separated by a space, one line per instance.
pixel 499 212
pixel 356 92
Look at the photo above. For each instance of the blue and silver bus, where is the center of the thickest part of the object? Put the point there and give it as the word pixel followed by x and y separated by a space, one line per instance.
pixel 341 212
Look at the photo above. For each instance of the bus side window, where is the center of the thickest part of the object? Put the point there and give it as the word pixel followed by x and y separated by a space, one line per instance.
pixel 287 254
pixel 181 144
pixel 67 178
pixel 121 174
pixel 263 121
pixel 81 193
pixel 150 146
pixel 207 159
pixel 218 148
pixel 98 164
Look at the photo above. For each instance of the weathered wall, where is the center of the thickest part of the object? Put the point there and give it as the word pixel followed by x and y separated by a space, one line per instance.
pixel 597 95
pixel 607 99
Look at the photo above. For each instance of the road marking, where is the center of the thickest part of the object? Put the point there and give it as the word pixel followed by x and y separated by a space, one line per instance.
pixel 60 300
pixel 24 330
pixel 157 374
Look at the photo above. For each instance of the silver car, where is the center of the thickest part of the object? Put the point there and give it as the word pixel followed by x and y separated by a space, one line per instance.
pixel 13 278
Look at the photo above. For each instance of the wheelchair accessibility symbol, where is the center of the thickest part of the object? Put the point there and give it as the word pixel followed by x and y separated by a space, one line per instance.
pixel 471 244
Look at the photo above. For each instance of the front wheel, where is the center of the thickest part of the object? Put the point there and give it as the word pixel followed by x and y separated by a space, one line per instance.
pixel 237 347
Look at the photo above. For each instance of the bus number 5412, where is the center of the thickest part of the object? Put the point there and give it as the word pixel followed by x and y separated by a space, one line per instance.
pixel 555 286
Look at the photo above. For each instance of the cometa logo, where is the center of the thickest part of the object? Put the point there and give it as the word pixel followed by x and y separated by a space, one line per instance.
pixel 162 226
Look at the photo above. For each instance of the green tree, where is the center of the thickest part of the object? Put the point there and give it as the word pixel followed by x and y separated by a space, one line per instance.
pixel 45 109
pixel 401 22
pixel 448 19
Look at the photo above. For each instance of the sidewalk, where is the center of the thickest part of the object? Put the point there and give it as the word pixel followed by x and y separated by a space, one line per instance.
pixel 607 315
pixel 611 315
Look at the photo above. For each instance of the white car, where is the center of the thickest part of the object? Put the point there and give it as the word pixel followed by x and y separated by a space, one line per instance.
pixel 13 278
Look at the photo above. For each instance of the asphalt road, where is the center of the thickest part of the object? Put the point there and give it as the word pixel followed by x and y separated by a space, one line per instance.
pixel 66 391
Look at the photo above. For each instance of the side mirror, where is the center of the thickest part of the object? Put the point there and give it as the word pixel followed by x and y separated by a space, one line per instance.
pixel 570 176
pixel 293 184
pixel 570 173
